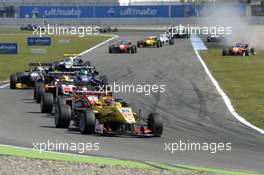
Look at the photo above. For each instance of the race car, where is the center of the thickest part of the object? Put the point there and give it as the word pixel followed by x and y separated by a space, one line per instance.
pixel 90 77
pixel 36 73
pixel 151 41
pixel 166 39
pixel 29 27
pixel 106 29
pixel 70 63
pixel 65 87
pixel 123 46
pixel 178 32
pixel 216 38
pixel 59 79
pixel 98 112
pixel 240 49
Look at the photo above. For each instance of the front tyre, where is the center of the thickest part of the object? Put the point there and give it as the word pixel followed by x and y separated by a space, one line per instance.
pixel 46 103
pixel 63 116
pixel 13 81
pixel 155 124
pixel 40 89
pixel 87 122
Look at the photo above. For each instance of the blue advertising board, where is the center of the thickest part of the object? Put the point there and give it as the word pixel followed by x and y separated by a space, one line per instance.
pixel 196 10
pixel 131 11
pixel 39 41
pixel 55 11
pixel 8 48
pixel 186 10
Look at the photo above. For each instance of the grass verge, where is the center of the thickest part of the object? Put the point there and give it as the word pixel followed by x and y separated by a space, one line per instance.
pixel 19 62
pixel 242 79
pixel 28 153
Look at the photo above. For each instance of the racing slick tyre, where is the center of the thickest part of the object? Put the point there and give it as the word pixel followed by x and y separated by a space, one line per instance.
pixel 87 122
pixel 40 89
pixel 134 49
pixel 104 80
pixel 246 53
pixel 63 116
pixel 46 104
pixel 19 76
pixel 171 41
pixel 13 81
pixel 110 49
pixel 139 44
pixel 35 91
pixel 225 52
pixel 61 100
pixel 159 44
pixel 253 51
pixel 155 124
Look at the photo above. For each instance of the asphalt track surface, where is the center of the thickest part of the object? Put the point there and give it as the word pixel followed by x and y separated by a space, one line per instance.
pixel 191 107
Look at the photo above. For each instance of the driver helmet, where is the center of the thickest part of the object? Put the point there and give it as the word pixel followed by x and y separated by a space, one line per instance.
pixel 39 68
pixel 109 101
pixel 71 59
pixel 65 78
pixel 84 72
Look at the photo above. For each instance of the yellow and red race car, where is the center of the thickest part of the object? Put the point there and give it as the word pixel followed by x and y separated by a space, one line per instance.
pixel 239 49
pixel 98 112
pixel 151 41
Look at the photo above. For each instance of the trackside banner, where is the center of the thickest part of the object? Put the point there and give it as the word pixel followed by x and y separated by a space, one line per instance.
pixel 39 41
pixel 55 11
pixel 162 11
pixel 8 48
pixel 131 11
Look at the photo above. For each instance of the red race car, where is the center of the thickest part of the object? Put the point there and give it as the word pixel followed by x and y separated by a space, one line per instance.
pixel 123 46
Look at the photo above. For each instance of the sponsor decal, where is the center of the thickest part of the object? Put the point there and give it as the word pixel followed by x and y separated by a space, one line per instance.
pixel 8 48
pixel 39 41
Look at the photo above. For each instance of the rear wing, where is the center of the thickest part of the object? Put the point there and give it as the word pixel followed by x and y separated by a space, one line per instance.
pixel 81 67
pixel 97 93
pixel 61 73
pixel 71 55
pixel 40 64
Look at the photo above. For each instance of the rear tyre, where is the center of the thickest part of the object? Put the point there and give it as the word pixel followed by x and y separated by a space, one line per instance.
pixel 253 51
pixel 171 41
pixel 61 101
pixel 139 44
pixel 63 116
pixel 133 49
pixel 46 104
pixel 19 76
pixel 225 52
pixel 87 122
pixel 13 81
pixel 246 53
pixel 104 80
pixel 40 89
pixel 155 124
pixel 35 91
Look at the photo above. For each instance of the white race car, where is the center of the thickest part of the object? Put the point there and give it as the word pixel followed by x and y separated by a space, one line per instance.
pixel 166 39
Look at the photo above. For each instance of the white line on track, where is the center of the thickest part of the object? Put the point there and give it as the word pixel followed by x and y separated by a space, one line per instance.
pixel 3 86
pixel 84 52
pixel 225 97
